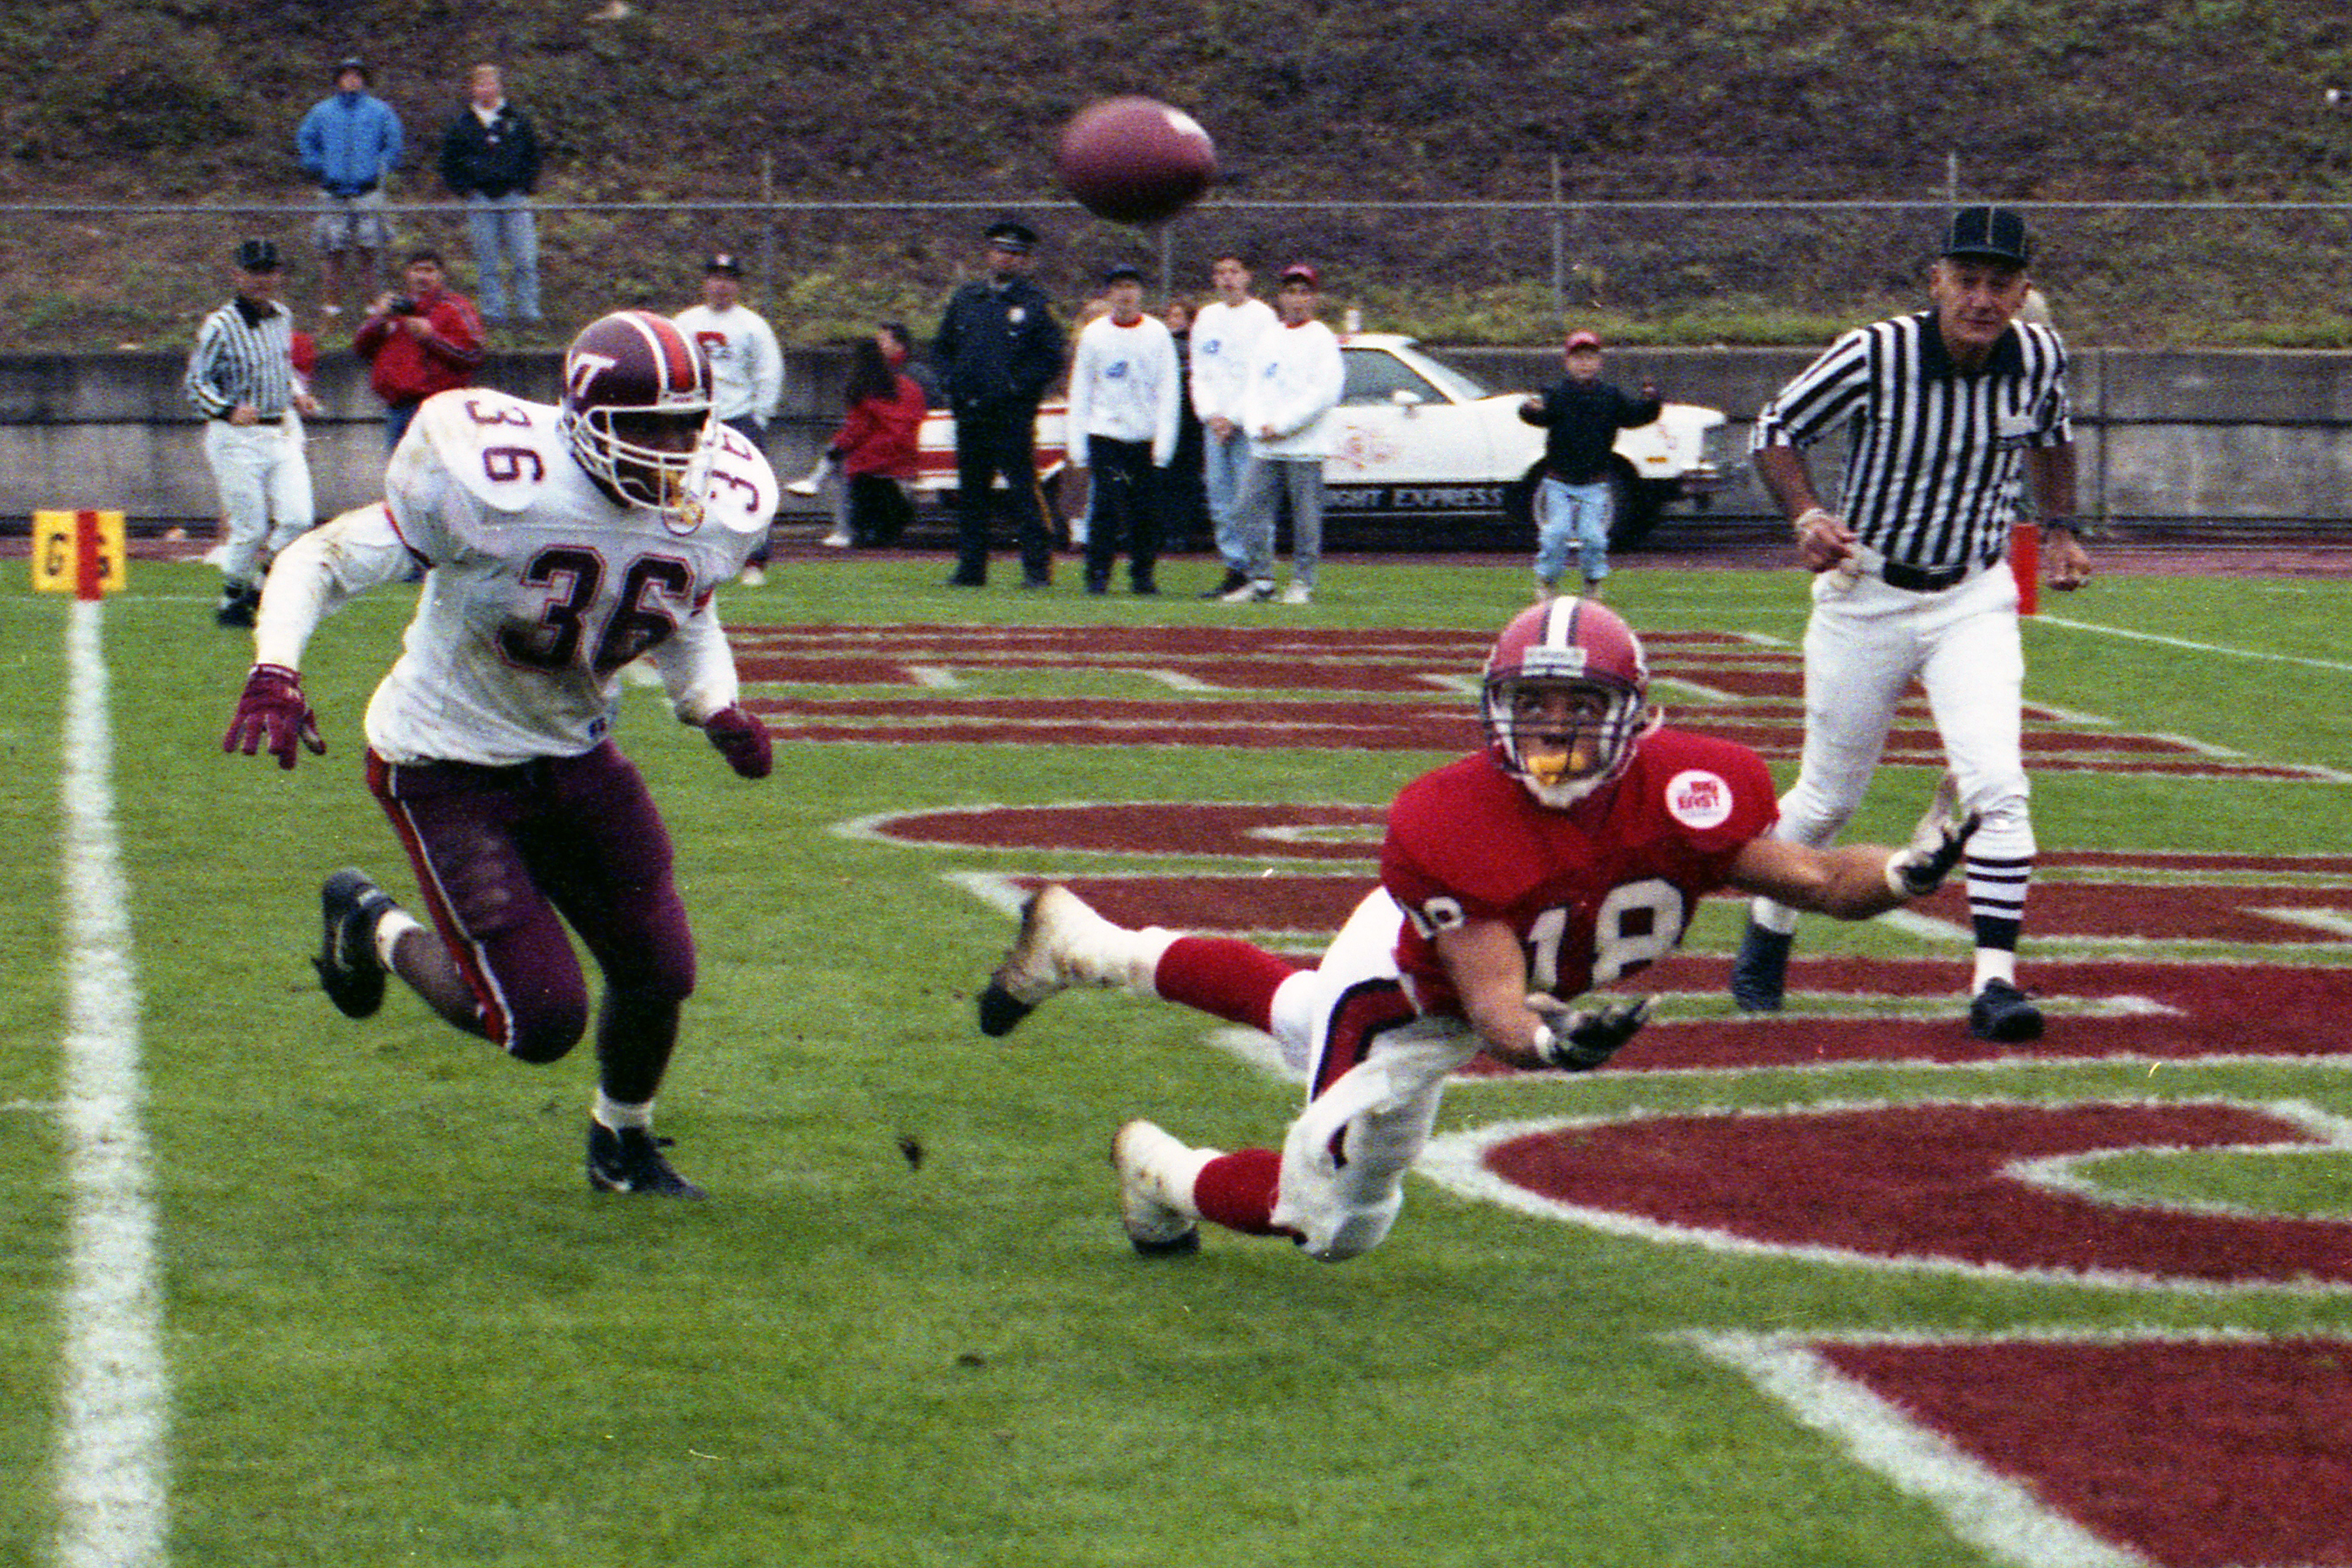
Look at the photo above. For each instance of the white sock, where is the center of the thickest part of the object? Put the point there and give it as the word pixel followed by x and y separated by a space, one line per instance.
pixel 1995 964
pixel 390 927
pixel 611 1113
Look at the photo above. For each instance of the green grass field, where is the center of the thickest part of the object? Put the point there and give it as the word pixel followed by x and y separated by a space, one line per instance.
pixel 397 1327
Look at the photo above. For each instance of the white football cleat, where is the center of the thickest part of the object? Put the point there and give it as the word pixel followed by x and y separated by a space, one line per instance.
pixel 1156 1171
pixel 1064 943
pixel 1298 594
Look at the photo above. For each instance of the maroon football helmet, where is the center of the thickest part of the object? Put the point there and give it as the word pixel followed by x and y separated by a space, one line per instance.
pixel 636 406
pixel 1566 699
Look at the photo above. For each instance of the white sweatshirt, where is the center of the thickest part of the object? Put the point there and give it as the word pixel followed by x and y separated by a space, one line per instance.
pixel 1222 336
pixel 1295 380
pixel 1124 383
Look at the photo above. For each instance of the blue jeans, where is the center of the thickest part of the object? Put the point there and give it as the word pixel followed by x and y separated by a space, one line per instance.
pixel 504 236
pixel 1574 515
pixel 1263 487
pixel 1222 465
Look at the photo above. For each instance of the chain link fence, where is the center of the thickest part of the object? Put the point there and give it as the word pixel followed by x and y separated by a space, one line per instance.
pixel 1686 271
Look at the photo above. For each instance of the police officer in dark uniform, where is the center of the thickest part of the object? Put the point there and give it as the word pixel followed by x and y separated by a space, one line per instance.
pixel 998 349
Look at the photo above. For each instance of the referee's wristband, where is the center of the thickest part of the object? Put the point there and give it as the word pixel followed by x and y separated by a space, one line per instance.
pixel 2066 522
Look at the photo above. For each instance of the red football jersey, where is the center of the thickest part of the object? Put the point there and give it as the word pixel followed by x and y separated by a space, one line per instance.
pixel 1596 891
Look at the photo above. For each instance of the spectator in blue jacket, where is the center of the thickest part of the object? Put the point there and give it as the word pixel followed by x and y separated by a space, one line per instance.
pixel 349 143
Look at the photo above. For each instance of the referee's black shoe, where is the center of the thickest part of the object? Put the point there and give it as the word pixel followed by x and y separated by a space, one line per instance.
pixel 2001 1013
pixel 1231 580
pixel 1760 976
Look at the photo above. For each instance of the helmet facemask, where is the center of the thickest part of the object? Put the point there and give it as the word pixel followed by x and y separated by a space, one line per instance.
pixel 645 456
pixel 1562 737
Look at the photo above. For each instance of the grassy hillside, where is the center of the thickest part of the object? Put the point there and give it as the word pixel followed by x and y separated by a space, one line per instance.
pixel 679 100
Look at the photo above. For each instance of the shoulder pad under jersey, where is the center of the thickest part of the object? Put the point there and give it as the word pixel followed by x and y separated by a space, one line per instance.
pixel 737 486
pixel 498 448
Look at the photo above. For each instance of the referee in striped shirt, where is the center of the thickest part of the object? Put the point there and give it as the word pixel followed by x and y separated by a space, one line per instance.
pixel 241 378
pixel 1941 409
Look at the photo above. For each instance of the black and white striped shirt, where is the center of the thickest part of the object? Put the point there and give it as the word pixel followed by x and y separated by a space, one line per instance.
pixel 1931 480
pixel 240 360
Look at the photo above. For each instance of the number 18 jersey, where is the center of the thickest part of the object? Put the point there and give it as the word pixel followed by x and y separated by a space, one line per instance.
pixel 1595 891
pixel 540 586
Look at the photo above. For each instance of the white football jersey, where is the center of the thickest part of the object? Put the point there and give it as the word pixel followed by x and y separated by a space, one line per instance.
pixel 539 588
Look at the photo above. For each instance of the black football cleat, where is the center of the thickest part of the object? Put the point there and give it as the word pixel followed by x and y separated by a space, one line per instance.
pixel 1760 976
pixel 631 1161
pixel 2001 1013
pixel 350 904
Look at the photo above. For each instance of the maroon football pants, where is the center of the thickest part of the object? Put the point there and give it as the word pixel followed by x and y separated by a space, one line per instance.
pixel 506 857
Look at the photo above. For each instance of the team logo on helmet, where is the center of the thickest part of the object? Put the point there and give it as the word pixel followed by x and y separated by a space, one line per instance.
pixel 638 408
pixel 1566 699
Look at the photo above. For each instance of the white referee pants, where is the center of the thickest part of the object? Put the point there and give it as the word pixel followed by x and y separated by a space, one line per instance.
pixel 1865 644
pixel 265 490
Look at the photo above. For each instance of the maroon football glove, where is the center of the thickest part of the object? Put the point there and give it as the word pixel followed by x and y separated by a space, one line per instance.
pixel 272 709
pixel 742 739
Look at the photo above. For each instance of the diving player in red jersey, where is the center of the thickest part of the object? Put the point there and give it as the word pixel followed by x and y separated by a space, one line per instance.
pixel 1567 855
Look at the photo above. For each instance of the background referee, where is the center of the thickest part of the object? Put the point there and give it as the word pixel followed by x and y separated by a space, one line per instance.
pixel 1942 409
pixel 241 378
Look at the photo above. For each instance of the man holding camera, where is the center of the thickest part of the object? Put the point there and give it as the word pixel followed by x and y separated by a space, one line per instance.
pixel 419 342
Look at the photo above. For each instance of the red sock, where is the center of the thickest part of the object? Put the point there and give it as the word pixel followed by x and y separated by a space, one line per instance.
pixel 1237 1190
pixel 1223 977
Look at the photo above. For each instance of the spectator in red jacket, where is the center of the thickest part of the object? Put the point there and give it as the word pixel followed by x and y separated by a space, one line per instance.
pixel 416 344
pixel 876 448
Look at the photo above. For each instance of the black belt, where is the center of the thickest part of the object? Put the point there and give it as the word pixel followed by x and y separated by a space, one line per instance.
pixel 1922 579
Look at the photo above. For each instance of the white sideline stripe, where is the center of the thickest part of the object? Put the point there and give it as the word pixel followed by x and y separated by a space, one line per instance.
pixel 112 1408
pixel 2337 665
pixel 1995 1515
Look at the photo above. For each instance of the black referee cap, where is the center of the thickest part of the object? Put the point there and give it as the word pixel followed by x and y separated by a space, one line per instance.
pixel 1995 234
pixel 1013 234
pixel 257 256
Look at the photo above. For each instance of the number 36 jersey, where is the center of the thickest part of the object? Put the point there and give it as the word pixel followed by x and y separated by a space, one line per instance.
pixel 538 586
pixel 1594 892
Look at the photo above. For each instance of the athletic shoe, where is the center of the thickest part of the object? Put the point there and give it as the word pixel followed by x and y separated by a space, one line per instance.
pixel 238 604
pixel 835 541
pixel 1250 591
pixel 1159 1221
pixel 1231 580
pixel 2002 1013
pixel 1760 976
pixel 631 1161
pixel 1063 942
pixel 1298 594
pixel 752 577
pixel 350 972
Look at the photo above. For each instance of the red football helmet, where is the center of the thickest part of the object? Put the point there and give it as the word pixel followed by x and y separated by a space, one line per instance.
pixel 636 406
pixel 1566 699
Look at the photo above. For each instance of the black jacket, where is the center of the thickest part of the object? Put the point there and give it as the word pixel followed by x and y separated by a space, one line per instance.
pixel 493 159
pixel 997 347
pixel 1581 421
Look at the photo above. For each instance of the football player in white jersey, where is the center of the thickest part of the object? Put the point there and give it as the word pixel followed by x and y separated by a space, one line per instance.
pixel 557 544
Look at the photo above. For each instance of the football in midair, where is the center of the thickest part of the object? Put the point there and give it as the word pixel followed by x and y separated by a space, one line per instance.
pixel 1135 160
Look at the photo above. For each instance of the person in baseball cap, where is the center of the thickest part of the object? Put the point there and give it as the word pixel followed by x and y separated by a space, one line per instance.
pixel 258 256
pixel 1582 340
pixel 1990 233
pixel 1011 235
pixel 1299 272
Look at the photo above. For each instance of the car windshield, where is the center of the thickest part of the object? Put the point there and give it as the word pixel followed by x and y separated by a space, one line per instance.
pixel 1458 384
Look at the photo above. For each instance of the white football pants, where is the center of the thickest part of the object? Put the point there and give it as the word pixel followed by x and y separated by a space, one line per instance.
pixel 1344 1158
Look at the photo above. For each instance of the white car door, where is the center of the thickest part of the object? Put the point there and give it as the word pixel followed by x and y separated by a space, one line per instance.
pixel 1396 427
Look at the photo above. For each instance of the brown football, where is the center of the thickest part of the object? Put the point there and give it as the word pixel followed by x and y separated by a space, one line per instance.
pixel 1135 160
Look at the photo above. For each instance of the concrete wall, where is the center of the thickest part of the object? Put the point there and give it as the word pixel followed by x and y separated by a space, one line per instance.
pixel 2215 439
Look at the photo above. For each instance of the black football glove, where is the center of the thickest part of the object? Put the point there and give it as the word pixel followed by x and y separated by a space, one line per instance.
pixel 1582 1038
pixel 1937 845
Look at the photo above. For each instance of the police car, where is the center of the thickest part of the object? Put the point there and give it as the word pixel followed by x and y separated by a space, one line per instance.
pixel 1425 454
